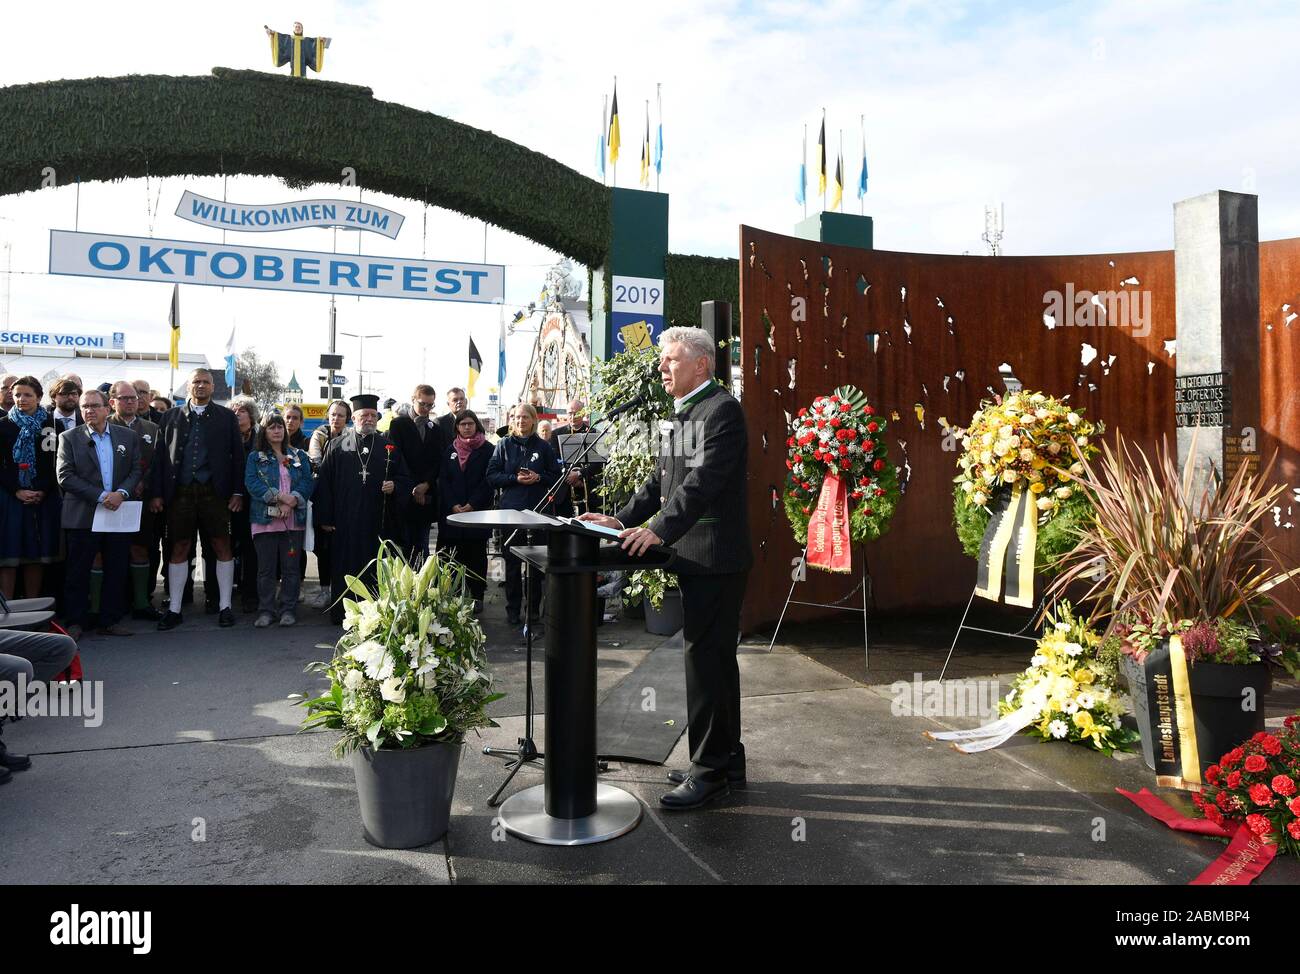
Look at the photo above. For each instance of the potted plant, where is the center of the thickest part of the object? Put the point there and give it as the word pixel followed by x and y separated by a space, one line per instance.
pixel 1182 574
pixel 408 680
pixel 658 591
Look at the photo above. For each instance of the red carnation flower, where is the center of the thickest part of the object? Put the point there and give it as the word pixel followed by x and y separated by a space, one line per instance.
pixel 1293 827
pixel 844 407
pixel 806 510
pixel 864 481
pixel 1214 815
pixel 868 445
pixel 832 398
pixel 789 465
pixel 1259 825
pixel 856 495
pixel 1271 745
pixel 852 434
pixel 1212 774
pixel 1292 720
pixel 1294 806
pixel 1260 795
pixel 868 512
pixel 790 442
pixel 873 426
pixel 869 409
pixel 1255 764
pixel 821 423
pixel 1234 779
pixel 1283 785
pixel 878 465
pixel 390 448
pixel 844 450
pixel 846 463
pixel 1224 800
pixel 835 421
pixel 803 412
pixel 880 492
pixel 1198 801
pixel 1233 757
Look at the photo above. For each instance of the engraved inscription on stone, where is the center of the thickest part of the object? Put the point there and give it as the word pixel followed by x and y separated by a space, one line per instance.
pixel 1201 400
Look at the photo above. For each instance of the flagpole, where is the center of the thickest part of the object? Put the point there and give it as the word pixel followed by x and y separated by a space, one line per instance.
pixel 805 169
pixel 862 196
pixel 839 164
pixel 604 133
pixel 613 166
pixel 821 174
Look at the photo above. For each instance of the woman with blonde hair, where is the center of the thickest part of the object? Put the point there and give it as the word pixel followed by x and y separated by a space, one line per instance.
pixel 523 467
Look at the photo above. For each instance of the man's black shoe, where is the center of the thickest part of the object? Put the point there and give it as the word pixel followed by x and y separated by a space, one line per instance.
pixel 735 776
pixel 148 613
pixel 13 762
pixel 210 606
pixel 696 790
pixel 249 603
pixel 226 619
pixel 5 775
pixel 170 620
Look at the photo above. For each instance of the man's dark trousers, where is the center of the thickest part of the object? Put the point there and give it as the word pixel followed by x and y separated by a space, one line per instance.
pixel 711 611
pixel 83 545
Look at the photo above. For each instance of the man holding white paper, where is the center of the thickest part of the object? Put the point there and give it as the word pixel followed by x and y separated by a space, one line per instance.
pixel 98 468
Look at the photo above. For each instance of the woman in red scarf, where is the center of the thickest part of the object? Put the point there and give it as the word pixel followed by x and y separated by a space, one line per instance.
pixel 463 487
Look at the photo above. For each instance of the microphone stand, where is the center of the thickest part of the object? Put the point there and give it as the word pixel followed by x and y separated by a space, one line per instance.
pixel 527 751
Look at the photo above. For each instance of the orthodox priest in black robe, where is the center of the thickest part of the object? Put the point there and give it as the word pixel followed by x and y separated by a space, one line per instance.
pixel 362 487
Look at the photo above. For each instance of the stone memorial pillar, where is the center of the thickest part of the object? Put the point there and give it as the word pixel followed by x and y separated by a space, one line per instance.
pixel 1216 391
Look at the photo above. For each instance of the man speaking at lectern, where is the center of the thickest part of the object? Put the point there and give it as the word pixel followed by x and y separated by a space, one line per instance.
pixel 695 503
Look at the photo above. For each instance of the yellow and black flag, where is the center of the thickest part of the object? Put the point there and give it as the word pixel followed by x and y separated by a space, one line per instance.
pixel 615 139
pixel 645 150
pixel 821 158
pixel 174 319
pixel 475 367
pixel 837 193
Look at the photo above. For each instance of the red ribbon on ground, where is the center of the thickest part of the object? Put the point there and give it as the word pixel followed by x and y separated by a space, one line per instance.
pixel 829 546
pixel 1245 858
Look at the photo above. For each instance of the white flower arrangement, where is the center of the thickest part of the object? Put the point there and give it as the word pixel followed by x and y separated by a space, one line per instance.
pixel 410 668
pixel 1072 690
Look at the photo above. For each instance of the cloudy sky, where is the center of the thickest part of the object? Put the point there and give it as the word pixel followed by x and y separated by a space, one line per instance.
pixel 1086 121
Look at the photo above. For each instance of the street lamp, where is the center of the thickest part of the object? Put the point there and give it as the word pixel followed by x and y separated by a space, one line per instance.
pixel 361 358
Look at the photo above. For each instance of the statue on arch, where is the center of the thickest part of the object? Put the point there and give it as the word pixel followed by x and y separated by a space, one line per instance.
pixel 296 50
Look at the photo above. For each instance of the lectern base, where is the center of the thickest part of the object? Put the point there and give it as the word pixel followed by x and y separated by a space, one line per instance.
pixel 524 815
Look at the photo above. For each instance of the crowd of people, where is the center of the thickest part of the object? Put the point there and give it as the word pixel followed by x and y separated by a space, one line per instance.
pixel 238 486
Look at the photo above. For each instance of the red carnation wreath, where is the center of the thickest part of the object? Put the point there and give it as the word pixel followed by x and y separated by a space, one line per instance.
pixel 838 464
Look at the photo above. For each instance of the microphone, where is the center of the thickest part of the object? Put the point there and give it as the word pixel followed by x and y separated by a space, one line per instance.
pixel 630 404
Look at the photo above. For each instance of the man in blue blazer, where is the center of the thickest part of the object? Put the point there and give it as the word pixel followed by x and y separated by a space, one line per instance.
pixel 98 466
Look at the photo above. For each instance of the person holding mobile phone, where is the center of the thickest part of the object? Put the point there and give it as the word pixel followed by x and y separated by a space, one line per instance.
pixel 522 467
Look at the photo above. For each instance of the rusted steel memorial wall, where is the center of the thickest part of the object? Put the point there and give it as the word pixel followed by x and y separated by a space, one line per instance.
pixel 924 336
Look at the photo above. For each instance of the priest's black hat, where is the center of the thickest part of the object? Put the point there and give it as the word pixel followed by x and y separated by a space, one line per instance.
pixel 365 401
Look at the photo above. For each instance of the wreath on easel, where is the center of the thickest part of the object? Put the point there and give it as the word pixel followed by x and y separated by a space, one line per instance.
pixel 839 475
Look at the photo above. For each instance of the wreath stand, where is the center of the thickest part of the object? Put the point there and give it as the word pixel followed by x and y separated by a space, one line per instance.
pixel 864 583
pixel 1018 634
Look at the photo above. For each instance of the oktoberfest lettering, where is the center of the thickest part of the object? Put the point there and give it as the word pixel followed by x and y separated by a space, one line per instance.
pixel 217 265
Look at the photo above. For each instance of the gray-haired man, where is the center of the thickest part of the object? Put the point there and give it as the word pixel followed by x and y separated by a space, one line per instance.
pixel 695 502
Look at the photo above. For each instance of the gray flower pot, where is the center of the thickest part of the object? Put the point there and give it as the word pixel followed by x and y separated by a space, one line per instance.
pixel 405 794
pixel 1222 722
pixel 666 620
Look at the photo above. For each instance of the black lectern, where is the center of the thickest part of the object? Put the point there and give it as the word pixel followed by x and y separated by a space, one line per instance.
pixel 571 808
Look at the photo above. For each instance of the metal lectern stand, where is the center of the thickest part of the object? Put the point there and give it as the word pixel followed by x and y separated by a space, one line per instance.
pixel 571 807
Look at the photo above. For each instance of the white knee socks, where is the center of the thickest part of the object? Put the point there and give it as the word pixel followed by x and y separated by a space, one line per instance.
pixel 226 581
pixel 177 576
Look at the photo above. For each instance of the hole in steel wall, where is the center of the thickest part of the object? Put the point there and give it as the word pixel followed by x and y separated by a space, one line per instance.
pixel 757 350
pixel 792 365
pixel 863 284
pixel 827 267
pixel 1086 354
pixel 919 409
pixel 804 264
pixel 1171 347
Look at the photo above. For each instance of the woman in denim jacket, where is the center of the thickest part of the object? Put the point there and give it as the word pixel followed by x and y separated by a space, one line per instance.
pixel 279 481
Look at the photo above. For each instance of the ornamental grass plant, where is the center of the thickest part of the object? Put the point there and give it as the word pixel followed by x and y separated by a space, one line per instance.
pixel 1161 555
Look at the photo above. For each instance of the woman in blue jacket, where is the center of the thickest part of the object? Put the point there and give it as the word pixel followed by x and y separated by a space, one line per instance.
pixel 463 487
pixel 279 482
pixel 523 467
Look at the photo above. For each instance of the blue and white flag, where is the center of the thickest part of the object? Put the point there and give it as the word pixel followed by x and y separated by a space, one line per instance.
pixel 230 361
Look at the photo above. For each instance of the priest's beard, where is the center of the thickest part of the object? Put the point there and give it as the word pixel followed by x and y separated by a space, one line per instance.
pixel 367 429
